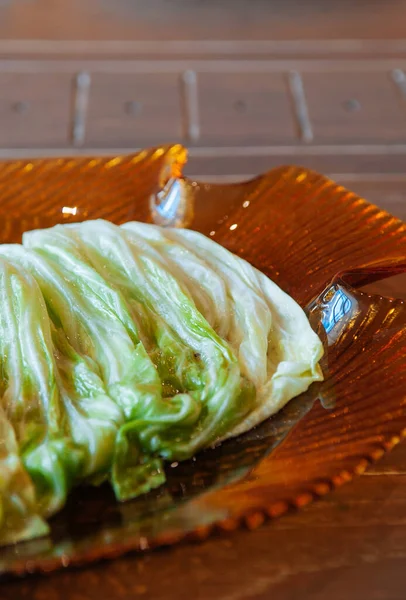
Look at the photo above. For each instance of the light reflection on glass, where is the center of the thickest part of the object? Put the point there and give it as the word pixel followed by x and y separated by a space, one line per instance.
pixel 171 207
pixel 169 200
pixel 335 309
pixel 69 210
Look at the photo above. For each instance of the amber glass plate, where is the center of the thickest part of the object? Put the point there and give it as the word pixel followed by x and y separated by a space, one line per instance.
pixel 338 256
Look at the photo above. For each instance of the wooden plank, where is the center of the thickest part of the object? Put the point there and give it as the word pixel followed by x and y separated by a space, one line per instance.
pixel 322 161
pixel 130 110
pixel 359 155
pixel 246 103
pixel 181 20
pixel 35 109
pixel 238 108
pixel 223 48
pixel 210 64
pixel 355 107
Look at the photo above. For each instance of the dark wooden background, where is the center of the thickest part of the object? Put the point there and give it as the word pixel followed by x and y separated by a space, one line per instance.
pixel 246 85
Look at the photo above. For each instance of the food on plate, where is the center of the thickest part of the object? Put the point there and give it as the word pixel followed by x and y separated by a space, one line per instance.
pixel 124 347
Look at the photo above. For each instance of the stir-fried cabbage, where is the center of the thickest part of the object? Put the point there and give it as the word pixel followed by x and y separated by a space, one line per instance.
pixel 123 347
pixel 276 346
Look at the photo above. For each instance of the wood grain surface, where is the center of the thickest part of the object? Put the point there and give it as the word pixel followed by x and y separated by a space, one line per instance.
pixel 186 20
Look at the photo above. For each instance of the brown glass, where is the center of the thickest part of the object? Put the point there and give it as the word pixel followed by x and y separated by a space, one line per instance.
pixel 338 256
